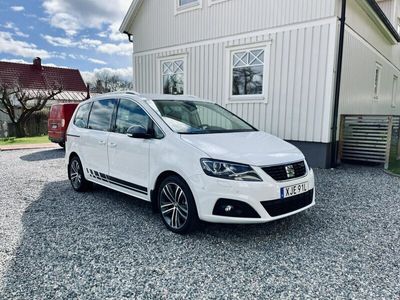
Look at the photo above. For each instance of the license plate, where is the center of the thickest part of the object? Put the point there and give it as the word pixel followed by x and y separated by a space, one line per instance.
pixel 54 126
pixel 293 190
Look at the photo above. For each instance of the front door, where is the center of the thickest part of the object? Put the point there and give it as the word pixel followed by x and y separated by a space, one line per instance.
pixel 129 157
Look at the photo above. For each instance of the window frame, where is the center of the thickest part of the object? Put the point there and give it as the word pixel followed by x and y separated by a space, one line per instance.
pixel 256 98
pixel 213 2
pixel 197 4
pixel 377 81
pixel 395 89
pixel 160 74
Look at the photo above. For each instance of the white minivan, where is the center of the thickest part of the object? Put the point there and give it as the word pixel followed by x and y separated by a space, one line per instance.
pixel 191 158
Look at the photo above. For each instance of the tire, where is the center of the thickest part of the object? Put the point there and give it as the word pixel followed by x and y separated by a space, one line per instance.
pixel 177 206
pixel 76 176
pixel 62 145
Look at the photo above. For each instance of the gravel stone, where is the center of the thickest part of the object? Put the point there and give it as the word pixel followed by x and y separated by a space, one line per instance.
pixel 57 244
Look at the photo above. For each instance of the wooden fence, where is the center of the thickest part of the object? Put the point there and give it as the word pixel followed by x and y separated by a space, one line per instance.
pixel 367 138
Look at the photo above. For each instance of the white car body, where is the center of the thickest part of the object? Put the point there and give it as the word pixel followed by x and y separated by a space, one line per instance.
pixel 132 166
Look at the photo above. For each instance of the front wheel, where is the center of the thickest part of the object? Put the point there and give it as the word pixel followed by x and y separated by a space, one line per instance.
pixel 76 176
pixel 177 206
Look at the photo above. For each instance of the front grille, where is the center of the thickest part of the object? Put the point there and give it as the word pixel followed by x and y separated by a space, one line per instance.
pixel 284 206
pixel 280 172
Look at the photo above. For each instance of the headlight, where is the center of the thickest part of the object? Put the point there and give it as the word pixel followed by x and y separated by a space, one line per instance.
pixel 228 170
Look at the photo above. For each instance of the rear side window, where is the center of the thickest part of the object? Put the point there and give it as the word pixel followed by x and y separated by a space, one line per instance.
pixel 130 114
pixel 101 115
pixel 82 116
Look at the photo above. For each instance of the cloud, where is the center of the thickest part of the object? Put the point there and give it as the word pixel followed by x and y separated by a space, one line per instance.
pixel 17 8
pixel 22 61
pixel 75 15
pixel 17 31
pixel 116 49
pixel 8 45
pixel 123 73
pixel 97 61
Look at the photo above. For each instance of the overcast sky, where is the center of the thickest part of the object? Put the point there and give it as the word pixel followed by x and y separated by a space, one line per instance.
pixel 80 34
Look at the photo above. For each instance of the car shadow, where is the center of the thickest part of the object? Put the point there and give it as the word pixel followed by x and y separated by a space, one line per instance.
pixel 44 155
pixel 73 243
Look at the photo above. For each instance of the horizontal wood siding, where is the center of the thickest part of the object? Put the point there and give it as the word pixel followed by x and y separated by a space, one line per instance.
pixel 298 105
pixel 156 24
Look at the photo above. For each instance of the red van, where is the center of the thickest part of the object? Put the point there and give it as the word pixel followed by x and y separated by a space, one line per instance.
pixel 59 117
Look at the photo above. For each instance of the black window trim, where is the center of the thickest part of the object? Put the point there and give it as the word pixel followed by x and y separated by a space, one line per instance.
pixel 153 122
pixel 90 110
pixel 112 116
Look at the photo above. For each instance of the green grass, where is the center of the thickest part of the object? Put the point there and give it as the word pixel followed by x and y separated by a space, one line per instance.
pixel 26 140
pixel 394 163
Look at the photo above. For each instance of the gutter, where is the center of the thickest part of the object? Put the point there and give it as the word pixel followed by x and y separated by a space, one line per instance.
pixel 334 145
pixel 384 19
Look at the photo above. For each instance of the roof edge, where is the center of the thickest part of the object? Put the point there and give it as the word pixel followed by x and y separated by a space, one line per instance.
pixel 130 16
pixel 383 20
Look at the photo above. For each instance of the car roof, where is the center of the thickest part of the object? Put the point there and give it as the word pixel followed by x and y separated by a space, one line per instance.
pixel 144 97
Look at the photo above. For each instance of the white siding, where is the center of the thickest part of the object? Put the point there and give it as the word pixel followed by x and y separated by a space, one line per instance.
pixel 157 26
pixel 388 7
pixel 300 78
pixel 357 91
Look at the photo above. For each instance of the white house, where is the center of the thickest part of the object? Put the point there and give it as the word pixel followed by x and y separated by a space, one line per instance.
pixel 286 66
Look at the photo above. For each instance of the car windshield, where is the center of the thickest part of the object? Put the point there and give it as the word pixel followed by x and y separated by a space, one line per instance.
pixel 198 117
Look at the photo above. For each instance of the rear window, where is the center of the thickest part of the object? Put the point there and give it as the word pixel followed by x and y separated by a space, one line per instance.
pixel 56 112
pixel 101 114
pixel 82 116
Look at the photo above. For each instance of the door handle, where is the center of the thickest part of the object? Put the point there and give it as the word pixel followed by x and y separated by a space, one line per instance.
pixel 102 142
pixel 113 145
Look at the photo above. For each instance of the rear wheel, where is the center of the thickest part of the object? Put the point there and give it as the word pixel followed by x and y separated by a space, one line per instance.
pixel 76 176
pixel 177 206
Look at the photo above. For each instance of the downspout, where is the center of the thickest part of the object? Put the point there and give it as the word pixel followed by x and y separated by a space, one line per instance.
pixel 334 149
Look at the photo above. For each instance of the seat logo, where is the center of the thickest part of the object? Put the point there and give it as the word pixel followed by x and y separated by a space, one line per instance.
pixel 290 171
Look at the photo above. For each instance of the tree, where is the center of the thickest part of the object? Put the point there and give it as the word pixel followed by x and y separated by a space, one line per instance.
pixel 108 82
pixel 13 96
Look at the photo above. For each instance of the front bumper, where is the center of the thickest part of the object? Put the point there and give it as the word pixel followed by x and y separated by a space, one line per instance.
pixel 208 190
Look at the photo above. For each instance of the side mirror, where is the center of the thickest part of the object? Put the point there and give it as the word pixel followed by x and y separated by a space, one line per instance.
pixel 138 132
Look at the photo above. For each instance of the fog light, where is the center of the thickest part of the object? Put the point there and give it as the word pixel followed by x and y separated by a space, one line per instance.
pixel 228 208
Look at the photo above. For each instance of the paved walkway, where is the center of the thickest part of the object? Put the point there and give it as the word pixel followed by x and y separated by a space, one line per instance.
pixel 29 146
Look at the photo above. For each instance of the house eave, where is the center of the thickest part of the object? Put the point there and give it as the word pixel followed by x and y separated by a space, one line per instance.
pixel 130 16
pixel 380 19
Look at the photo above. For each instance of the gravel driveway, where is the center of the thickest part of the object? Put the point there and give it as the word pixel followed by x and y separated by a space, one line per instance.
pixel 55 243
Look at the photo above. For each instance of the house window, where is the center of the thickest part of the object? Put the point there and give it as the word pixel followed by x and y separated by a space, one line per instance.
pixel 394 91
pixel 248 72
pixel 173 77
pixel 186 5
pixel 377 80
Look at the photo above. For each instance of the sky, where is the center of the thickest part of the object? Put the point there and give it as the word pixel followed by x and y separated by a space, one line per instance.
pixel 79 34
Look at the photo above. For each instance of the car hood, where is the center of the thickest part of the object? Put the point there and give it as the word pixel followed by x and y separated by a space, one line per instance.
pixel 255 148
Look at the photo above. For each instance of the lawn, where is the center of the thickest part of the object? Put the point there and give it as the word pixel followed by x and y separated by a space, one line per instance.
pixel 26 140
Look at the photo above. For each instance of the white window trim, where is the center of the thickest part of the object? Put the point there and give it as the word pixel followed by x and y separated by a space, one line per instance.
pixel 161 60
pixel 188 7
pixel 377 93
pixel 261 98
pixel 395 90
pixel 213 2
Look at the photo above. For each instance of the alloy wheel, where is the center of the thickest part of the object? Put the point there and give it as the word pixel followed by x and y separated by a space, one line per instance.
pixel 174 206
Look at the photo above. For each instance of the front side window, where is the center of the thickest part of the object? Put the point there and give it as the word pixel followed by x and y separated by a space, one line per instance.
pixel 198 117
pixel 248 72
pixel 173 77
pixel 101 115
pixel 130 114
pixel 82 116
